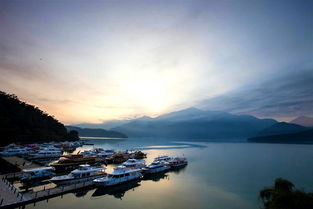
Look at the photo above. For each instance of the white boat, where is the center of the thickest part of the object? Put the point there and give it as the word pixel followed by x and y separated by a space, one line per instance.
pixel 156 167
pixel 11 151
pixel 163 158
pixel 46 153
pixel 98 152
pixel 178 162
pixel 37 173
pixel 133 163
pixel 83 173
pixel 105 153
pixel 120 174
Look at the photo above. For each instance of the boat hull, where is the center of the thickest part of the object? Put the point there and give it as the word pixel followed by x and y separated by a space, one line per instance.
pixel 178 165
pixel 75 180
pixel 156 170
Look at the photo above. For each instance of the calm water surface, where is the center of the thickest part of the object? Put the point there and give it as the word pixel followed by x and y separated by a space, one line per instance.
pixel 219 176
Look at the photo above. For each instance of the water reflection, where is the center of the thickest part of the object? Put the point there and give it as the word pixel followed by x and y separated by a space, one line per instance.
pixel 116 191
pixel 119 191
pixel 82 192
pixel 155 177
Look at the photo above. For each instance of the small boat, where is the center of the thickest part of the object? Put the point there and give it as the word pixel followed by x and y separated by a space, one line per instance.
pixel 178 162
pixel 133 163
pixel 120 174
pixel 156 167
pixel 37 173
pixel 82 174
pixel 163 158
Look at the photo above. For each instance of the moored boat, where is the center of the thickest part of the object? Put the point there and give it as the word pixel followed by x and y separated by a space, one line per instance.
pixel 118 157
pixel 120 174
pixel 37 173
pixel 137 154
pixel 134 163
pixel 11 151
pixel 72 161
pixel 156 167
pixel 82 174
pixel 46 153
pixel 163 158
pixel 178 162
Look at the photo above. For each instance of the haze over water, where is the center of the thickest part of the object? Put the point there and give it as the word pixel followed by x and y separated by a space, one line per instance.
pixel 219 175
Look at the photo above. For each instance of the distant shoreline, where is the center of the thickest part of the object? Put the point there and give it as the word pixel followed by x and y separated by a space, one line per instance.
pixel 101 137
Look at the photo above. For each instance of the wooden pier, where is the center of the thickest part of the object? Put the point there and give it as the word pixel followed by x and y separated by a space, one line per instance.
pixel 11 197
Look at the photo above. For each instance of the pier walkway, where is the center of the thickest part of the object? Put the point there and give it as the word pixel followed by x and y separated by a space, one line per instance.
pixel 11 197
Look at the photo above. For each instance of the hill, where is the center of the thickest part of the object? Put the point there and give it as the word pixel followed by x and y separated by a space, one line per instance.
pixel 91 132
pixel 299 137
pixel 193 123
pixel 24 123
pixel 281 128
pixel 303 121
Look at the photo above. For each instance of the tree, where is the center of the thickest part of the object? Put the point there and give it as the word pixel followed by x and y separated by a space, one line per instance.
pixel 283 196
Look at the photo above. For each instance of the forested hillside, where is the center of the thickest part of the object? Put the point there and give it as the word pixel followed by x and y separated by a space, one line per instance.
pixel 24 123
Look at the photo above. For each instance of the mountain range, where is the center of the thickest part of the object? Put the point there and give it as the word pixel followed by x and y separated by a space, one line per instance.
pixel 95 132
pixel 194 123
pixel 303 121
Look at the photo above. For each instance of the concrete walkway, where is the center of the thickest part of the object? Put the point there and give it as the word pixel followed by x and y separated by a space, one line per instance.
pixel 9 194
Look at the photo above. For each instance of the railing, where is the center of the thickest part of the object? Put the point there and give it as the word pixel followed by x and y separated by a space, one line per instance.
pixel 32 196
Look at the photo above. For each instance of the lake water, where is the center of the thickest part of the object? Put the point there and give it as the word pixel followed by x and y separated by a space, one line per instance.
pixel 218 176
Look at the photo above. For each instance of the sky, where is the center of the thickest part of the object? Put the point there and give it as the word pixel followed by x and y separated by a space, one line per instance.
pixel 93 61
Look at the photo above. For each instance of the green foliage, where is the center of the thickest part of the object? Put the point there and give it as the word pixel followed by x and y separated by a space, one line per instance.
pixel 24 123
pixel 283 196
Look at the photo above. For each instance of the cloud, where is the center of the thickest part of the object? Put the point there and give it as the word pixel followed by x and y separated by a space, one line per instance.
pixel 285 96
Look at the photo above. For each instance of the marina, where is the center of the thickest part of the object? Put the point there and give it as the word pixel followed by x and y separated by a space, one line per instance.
pixel 86 168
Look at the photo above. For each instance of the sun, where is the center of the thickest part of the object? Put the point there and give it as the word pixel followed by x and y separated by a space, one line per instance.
pixel 150 92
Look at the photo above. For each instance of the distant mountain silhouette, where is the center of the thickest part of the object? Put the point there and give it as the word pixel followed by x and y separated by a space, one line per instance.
pixel 24 123
pixel 299 137
pixel 96 132
pixel 104 125
pixel 303 121
pixel 281 128
pixel 193 123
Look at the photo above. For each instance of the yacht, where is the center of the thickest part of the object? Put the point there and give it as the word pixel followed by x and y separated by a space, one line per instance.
pixel 120 174
pixel 82 174
pixel 37 173
pixel 98 152
pixel 133 163
pixel 156 167
pixel 72 161
pixel 178 162
pixel 105 153
pixel 163 158
pixel 46 153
